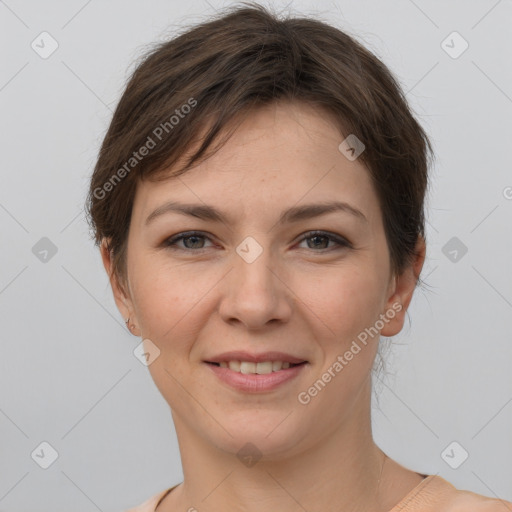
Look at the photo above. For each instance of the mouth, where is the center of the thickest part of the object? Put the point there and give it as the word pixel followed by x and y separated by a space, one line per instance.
pixel 252 368
pixel 261 376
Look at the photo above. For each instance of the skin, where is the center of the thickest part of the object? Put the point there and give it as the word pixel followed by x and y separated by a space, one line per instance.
pixel 308 300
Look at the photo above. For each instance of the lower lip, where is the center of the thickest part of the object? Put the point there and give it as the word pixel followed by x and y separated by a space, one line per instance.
pixel 255 383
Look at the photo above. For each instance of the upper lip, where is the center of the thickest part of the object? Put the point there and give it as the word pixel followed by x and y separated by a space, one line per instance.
pixel 241 355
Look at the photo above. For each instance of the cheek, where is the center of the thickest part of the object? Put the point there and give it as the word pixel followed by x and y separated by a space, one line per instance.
pixel 162 307
pixel 345 302
pixel 171 299
pixel 348 303
pixel 167 303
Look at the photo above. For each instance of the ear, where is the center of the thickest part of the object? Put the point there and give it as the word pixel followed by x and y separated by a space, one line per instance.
pixel 121 293
pixel 401 291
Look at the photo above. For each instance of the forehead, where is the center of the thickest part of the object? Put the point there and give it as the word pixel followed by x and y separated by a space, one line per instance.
pixel 280 155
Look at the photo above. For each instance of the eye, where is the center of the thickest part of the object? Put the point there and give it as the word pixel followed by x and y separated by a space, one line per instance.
pixel 194 241
pixel 321 238
pixel 191 240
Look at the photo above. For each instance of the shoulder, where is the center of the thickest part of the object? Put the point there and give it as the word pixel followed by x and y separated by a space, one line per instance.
pixel 437 494
pixel 150 504
pixel 464 501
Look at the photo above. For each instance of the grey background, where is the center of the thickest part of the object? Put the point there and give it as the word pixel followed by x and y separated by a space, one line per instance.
pixel 68 374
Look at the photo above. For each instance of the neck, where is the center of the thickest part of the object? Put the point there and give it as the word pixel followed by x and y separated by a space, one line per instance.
pixel 345 468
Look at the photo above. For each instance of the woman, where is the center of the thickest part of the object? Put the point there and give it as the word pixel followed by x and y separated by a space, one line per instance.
pixel 258 200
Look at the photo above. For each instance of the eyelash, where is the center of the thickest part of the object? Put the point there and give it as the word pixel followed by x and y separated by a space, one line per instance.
pixel 170 242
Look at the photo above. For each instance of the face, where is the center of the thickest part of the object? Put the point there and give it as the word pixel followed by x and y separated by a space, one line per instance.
pixel 315 288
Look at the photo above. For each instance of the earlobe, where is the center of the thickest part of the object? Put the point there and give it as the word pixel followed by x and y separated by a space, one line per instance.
pixel 131 327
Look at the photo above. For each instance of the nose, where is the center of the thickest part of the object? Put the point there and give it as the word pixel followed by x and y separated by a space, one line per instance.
pixel 254 293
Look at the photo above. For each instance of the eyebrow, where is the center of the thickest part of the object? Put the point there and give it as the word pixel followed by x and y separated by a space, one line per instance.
pixel 293 214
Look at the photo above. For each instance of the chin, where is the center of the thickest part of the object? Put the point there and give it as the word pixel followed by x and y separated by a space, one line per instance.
pixel 260 436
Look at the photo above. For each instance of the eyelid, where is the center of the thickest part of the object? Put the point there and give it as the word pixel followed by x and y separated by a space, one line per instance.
pixel 340 241
pixel 186 234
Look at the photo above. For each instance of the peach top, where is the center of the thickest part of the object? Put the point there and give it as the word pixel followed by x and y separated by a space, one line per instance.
pixel 432 494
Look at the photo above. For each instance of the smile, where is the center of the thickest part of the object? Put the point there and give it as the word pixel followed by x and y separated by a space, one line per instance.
pixel 258 377
pixel 261 368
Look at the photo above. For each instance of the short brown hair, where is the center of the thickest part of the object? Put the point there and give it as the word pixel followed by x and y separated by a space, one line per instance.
pixel 245 58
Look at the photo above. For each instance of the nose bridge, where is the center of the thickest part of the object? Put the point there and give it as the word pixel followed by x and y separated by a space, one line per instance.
pixel 253 263
pixel 254 295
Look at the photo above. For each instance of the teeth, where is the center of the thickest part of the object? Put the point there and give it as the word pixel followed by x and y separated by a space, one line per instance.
pixel 247 367
pixel 234 365
pixel 261 368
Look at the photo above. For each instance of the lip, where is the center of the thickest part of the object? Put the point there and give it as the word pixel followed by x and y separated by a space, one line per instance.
pixel 241 355
pixel 255 383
